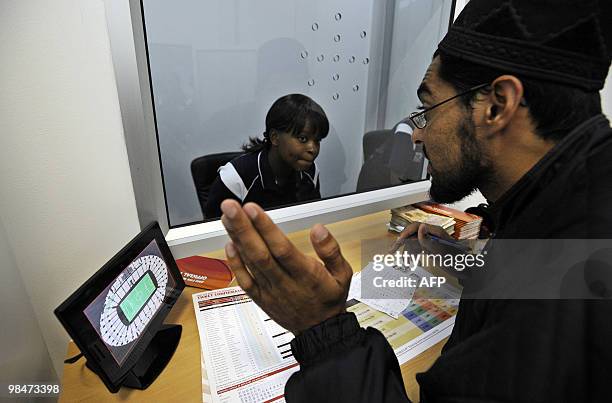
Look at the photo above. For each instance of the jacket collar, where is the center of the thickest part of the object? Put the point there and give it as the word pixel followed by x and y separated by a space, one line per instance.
pixel 585 136
pixel 266 175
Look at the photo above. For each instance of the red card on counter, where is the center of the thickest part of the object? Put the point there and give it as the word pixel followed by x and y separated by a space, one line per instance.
pixel 204 272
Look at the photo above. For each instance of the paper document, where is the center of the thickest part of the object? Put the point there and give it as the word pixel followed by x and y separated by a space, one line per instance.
pixel 391 301
pixel 428 317
pixel 245 354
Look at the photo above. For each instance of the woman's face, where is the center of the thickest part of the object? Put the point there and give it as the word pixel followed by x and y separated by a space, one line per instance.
pixel 298 150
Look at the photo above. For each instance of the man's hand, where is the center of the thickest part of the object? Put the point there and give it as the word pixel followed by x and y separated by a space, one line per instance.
pixel 296 290
pixel 416 237
pixel 422 233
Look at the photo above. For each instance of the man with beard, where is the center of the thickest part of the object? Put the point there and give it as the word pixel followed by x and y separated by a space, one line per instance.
pixel 510 107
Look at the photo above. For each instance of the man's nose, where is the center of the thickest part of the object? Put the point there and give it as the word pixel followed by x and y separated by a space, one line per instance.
pixel 417 136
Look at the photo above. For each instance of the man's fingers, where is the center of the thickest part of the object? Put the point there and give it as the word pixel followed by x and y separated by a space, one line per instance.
pixel 286 254
pixel 410 231
pixel 328 250
pixel 252 249
pixel 426 243
pixel 435 246
pixel 243 277
pixel 436 231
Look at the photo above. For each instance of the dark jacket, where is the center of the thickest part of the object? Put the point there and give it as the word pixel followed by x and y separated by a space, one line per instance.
pixel 249 178
pixel 500 350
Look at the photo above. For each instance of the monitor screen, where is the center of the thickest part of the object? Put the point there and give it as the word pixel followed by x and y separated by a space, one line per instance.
pixel 117 315
pixel 123 310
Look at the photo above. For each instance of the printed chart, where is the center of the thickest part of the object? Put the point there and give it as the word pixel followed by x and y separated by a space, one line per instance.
pixel 428 319
pixel 245 354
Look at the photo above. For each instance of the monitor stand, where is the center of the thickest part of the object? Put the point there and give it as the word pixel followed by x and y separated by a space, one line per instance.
pixel 153 360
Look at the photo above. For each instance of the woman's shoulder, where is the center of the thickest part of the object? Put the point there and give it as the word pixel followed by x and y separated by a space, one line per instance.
pixel 245 162
pixel 241 167
pixel 239 173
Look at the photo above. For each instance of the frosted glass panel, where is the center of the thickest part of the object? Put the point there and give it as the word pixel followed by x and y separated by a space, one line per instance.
pixel 218 65
pixel 418 27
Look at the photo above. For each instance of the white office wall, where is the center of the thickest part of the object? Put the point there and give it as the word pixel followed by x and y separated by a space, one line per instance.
pixel 67 201
pixel 23 353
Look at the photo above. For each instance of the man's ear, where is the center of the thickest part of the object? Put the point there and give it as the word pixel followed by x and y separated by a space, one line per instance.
pixel 503 102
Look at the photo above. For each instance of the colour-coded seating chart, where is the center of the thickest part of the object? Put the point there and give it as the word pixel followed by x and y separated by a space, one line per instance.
pixel 428 319
pixel 428 313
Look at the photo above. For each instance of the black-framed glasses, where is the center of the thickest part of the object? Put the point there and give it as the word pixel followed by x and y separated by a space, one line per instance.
pixel 419 120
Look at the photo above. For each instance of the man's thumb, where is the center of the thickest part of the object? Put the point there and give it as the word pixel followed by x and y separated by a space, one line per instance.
pixel 328 250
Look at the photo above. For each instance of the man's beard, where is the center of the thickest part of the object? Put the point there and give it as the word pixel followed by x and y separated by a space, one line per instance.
pixel 452 186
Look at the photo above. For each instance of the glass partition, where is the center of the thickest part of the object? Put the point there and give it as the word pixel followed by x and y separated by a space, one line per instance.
pixel 217 66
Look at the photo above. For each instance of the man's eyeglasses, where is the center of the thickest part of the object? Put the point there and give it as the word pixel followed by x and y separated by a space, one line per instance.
pixel 419 120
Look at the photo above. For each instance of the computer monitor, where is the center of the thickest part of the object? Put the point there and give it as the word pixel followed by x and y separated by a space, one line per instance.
pixel 116 317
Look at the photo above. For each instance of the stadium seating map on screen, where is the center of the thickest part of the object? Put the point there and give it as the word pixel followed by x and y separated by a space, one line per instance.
pixel 123 310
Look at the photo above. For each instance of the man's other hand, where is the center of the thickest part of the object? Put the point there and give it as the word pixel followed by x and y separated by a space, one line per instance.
pixel 296 290
pixel 422 233
pixel 416 237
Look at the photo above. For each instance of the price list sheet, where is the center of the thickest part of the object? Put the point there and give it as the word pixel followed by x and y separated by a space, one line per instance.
pixel 246 356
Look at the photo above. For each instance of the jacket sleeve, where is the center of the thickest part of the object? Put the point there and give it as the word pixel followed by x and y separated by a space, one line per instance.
pixel 342 362
pixel 218 193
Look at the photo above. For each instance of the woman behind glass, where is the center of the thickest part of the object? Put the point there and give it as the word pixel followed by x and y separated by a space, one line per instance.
pixel 278 169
